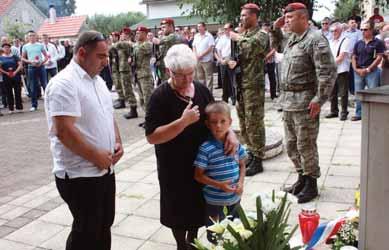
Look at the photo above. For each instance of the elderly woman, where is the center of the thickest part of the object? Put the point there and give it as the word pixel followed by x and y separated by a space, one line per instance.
pixel 175 124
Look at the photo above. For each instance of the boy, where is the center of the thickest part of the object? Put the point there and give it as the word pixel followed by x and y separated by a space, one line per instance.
pixel 222 175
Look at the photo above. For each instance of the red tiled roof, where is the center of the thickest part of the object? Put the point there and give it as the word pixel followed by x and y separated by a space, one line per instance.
pixel 4 5
pixel 63 27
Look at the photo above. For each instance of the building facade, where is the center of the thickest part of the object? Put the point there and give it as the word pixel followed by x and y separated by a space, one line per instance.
pixel 20 11
pixel 165 8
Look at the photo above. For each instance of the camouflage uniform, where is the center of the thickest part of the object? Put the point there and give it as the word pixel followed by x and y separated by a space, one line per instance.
pixel 308 75
pixel 253 46
pixel 165 44
pixel 126 80
pixel 142 54
pixel 114 62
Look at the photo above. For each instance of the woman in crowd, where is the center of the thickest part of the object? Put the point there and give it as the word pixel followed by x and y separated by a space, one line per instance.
pixel 175 124
pixel 10 67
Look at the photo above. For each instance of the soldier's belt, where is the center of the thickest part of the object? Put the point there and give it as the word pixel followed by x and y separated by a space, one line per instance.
pixel 298 87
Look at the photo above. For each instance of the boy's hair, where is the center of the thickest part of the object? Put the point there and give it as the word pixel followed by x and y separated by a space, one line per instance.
pixel 219 107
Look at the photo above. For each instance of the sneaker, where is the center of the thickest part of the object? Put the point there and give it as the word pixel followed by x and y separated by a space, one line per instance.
pixel 32 109
pixel 11 112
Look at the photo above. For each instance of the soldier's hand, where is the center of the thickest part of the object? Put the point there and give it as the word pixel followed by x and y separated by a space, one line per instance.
pixel 129 60
pixel 280 22
pixel 153 60
pixel 103 159
pixel 156 40
pixel 231 144
pixel 314 109
pixel 190 114
pixel 234 36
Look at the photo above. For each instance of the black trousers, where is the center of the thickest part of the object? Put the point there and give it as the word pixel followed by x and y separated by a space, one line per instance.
pixel 92 204
pixel 270 69
pixel 340 89
pixel 13 92
pixel 228 83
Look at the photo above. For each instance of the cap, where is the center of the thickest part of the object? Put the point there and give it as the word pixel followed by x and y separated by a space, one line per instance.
pixel 143 29
pixel 126 30
pixel 294 6
pixel 251 6
pixel 6 44
pixel 168 21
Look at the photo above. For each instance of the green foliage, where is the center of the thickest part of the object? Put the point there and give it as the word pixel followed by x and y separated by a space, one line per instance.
pixel 269 230
pixel 108 23
pixel 229 10
pixel 69 7
pixel 15 29
pixel 344 9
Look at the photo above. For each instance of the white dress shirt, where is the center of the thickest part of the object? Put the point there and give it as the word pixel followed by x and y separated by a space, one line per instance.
pixel 344 65
pixel 223 46
pixel 52 53
pixel 72 92
pixel 203 42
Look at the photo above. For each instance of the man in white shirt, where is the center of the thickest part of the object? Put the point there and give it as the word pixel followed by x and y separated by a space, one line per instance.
pixel 340 47
pixel 223 56
pixel 325 25
pixel 52 54
pixel 203 45
pixel 85 143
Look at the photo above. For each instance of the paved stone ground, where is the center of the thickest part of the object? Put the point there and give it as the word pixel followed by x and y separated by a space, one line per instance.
pixel 32 215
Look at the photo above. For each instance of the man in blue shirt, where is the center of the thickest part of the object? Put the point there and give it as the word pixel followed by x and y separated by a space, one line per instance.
pixel 32 55
pixel 367 55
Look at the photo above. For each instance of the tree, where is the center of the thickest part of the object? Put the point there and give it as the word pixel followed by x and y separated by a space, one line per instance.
pixel 344 9
pixel 108 23
pixel 69 7
pixel 229 10
pixel 15 29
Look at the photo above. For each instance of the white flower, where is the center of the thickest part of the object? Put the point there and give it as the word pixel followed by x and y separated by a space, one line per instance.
pixel 217 228
pixel 268 205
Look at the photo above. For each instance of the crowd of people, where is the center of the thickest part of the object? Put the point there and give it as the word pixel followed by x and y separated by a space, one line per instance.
pixel 201 163
pixel 28 64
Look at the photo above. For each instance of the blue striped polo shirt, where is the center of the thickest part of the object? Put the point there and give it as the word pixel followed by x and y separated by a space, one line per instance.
pixel 219 167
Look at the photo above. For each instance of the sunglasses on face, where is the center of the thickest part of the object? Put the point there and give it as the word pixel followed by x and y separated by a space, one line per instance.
pixel 324 23
pixel 364 29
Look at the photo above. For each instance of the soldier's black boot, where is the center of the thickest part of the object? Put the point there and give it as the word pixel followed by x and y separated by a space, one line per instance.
pixel 297 186
pixel 132 114
pixel 254 167
pixel 119 104
pixel 309 191
pixel 249 159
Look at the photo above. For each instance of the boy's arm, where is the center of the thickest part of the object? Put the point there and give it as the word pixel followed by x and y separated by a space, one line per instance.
pixel 202 178
pixel 242 174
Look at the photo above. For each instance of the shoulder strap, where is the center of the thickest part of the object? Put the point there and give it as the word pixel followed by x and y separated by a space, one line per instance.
pixel 340 46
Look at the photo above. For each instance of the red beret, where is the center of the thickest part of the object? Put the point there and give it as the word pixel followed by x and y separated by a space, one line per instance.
pixel 126 30
pixel 142 28
pixel 251 6
pixel 294 6
pixel 168 21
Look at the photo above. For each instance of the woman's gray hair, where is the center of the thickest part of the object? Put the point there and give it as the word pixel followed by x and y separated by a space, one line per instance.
pixel 179 57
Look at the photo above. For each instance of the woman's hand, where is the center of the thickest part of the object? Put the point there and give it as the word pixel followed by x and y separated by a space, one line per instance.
pixel 231 144
pixel 190 114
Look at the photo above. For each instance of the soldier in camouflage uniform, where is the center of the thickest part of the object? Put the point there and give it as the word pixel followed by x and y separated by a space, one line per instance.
pixel 114 63
pixel 124 48
pixel 143 51
pixel 307 78
pixel 169 39
pixel 253 44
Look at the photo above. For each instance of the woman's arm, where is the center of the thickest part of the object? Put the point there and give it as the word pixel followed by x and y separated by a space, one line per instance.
pixel 168 132
pixel 19 68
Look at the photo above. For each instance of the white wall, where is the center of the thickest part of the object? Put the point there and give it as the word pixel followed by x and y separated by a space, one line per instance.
pixel 161 10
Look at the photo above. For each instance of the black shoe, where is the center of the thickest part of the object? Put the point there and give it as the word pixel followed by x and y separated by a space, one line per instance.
pixel 255 167
pixel 343 117
pixel 1 114
pixel 119 104
pixel 249 159
pixel 355 118
pixel 309 191
pixel 297 186
pixel 331 115
pixel 280 110
pixel 142 124
pixel 132 114
pixel 218 87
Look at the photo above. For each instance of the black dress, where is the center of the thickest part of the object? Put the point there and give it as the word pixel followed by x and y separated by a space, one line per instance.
pixel 182 204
